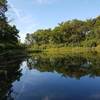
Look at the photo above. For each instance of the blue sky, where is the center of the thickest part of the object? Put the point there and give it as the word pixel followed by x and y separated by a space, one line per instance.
pixel 30 15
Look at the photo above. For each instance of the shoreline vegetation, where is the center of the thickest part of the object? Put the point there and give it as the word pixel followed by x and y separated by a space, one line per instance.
pixel 69 36
pixel 62 50
pixel 9 34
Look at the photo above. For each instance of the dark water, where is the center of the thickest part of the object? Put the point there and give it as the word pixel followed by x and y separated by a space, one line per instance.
pixel 50 77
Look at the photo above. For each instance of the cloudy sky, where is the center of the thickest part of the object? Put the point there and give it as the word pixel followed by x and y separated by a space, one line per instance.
pixel 30 15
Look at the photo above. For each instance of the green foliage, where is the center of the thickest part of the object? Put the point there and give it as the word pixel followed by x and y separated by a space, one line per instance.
pixel 69 33
pixel 8 34
pixel 3 7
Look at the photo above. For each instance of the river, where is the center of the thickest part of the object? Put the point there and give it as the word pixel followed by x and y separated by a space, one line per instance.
pixel 46 77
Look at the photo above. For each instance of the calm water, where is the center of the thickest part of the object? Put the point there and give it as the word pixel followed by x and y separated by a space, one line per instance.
pixel 46 77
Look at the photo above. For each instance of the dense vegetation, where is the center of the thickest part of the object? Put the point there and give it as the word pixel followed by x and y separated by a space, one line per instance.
pixel 71 33
pixel 8 34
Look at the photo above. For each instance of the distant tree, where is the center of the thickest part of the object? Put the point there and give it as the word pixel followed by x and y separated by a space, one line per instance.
pixel 74 32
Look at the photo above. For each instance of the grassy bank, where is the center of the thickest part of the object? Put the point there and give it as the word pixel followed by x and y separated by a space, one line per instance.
pixel 68 49
pixel 60 49
pixel 98 48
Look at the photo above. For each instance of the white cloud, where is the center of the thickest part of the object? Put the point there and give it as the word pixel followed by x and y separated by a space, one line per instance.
pixel 20 15
pixel 16 11
pixel 25 22
pixel 44 1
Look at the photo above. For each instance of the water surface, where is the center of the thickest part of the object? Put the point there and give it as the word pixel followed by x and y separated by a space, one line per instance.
pixel 46 77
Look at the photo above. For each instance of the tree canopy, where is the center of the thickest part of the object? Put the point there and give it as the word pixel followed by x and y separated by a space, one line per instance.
pixel 3 7
pixel 70 33
pixel 8 33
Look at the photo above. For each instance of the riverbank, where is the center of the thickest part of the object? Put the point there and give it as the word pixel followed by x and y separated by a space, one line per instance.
pixel 63 49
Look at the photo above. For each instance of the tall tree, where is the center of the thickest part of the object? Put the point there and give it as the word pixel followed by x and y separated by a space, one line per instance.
pixel 8 33
pixel 3 7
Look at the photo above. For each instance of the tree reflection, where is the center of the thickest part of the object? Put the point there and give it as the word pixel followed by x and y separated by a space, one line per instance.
pixel 9 72
pixel 68 65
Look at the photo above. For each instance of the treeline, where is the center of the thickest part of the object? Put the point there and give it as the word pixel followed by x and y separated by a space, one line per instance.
pixel 8 34
pixel 70 33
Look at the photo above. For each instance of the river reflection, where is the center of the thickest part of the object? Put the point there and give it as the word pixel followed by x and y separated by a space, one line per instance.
pixel 9 72
pixel 67 76
pixel 68 65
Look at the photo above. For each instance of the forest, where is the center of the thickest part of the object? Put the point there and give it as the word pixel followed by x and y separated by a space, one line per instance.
pixel 71 33
pixel 9 37
pixel 59 63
